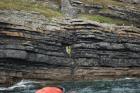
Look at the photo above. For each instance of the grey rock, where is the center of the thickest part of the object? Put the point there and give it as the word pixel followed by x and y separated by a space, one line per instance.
pixel 97 49
pixel 15 54
pixel 131 1
pixel 68 9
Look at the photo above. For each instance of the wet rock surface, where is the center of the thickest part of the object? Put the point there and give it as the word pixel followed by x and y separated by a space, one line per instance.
pixel 32 47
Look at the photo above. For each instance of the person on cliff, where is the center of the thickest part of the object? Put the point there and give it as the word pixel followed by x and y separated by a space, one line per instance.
pixel 51 89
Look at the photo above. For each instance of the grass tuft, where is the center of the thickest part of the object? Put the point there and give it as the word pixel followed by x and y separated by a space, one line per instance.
pixel 103 19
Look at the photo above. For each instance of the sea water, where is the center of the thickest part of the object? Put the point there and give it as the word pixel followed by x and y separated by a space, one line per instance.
pixel 127 85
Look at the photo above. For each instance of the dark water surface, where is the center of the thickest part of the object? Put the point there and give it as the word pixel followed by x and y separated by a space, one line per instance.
pixel 99 86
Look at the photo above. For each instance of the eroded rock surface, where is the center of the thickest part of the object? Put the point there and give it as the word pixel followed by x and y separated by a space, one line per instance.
pixel 68 9
pixel 33 48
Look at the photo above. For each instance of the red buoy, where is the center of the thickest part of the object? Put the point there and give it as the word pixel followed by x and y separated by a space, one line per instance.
pixel 50 90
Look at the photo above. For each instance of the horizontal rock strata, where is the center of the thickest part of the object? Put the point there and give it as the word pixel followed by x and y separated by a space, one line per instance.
pixel 36 49
pixel 119 10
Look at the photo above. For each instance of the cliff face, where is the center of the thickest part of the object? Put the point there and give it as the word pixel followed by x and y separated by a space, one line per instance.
pixel 32 47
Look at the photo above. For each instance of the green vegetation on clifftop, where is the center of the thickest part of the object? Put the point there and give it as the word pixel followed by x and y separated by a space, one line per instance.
pixel 31 5
pixel 28 5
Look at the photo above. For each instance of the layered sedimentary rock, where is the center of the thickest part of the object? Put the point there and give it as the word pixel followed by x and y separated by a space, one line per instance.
pixel 119 10
pixel 32 47
pixel 132 15
pixel 131 1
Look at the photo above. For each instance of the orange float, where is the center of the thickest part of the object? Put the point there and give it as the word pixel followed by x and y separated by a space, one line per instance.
pixel 50 90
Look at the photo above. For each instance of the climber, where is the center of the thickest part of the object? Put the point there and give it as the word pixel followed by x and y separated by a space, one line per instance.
pixel 51 89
